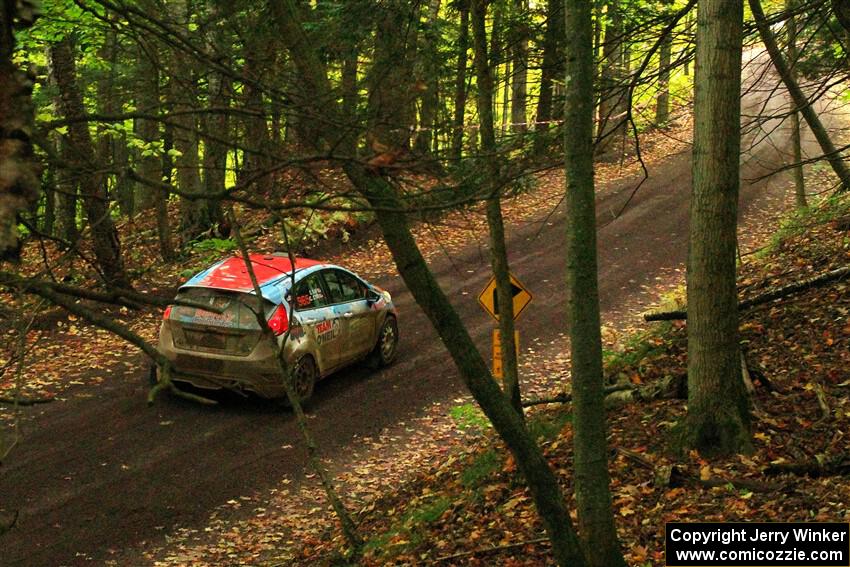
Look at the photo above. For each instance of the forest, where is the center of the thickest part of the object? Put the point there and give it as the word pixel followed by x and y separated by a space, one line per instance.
pixel 652 195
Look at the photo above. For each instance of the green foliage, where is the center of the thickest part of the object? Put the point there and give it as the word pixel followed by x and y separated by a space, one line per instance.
pixel 469 417
pixel 219 245
pixel 636 350
pixel 428 513
pixel 800 221
pixel 209 250
pixel 408 533
pixel 546 426
pixel 482 466
pixel 62 19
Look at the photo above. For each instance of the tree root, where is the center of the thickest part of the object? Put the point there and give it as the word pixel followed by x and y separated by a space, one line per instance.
pixel 673 476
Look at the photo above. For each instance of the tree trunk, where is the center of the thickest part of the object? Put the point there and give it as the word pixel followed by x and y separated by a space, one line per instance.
pixel 194 218
pixel 689 20
pixel 842 13
pixel 150 163
pixel 182 97
pixel 552 69
pixel 390 79
pixel 163 225
pixel 107 248
pixel 66 192
pixel 498 248
pixel 108 145
pixel 460 82
pixel 48 222
pixel 429 81
pixel 718 414
pixel 662 103
pixel 506 93
pixel 611 126
pixel 65 186
pixel 519 87
pixel 797 152
pixel 256 164
pixel 217 126
pixel 596 519
pixel 147 101
pixel 833 157
pixel 350 96
pixel 429 296
pixel 19 182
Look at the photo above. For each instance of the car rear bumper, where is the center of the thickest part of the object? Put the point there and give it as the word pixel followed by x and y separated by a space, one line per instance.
pixel 258 372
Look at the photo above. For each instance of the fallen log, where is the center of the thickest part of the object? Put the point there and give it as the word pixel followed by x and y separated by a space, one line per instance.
pixel 565 398
pixel 778 293
pixel 11 401
pixel 814 468
pixel 669 387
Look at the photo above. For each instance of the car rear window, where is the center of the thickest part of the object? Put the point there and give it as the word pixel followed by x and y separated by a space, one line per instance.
pixel 238 308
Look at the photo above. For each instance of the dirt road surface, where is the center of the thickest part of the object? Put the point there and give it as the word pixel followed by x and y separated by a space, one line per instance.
pixel 103 473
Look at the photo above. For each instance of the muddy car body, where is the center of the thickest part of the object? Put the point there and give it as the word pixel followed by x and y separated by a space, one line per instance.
pixel 330 318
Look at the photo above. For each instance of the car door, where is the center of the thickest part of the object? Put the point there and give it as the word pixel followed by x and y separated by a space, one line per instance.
pixel 348 295
pixel 319 320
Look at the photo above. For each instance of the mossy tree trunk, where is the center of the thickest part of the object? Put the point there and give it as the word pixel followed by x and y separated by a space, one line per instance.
pixel 593 495
pixel 612 126
pixel 717 421
pixel 19 180
pixel 542 483
pixel 495 223
pixel 430 297
pixel 662 102
pixel 519 79
pixel 104 237
pixel 429 81
pixel 553 41
pixel 459 107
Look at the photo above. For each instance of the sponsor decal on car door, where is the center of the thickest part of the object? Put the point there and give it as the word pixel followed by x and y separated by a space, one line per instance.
pixel 358 321
pixel 319 320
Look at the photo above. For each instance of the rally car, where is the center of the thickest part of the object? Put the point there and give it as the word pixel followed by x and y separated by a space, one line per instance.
pixel 323 316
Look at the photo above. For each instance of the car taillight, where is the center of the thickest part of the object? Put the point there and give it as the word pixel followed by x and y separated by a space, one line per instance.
pixel 167 313
pixel 278 322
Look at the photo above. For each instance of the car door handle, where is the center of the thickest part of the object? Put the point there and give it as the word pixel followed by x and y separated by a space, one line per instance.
pixel 348 315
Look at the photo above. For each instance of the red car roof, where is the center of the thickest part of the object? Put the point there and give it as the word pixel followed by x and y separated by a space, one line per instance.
pixel 233 274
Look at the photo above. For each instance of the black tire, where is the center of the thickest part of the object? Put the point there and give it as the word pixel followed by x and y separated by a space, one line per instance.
pixel 304 375
pixel 386 348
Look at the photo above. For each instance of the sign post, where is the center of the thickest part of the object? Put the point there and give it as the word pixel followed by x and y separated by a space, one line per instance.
pixel 489 301
pixel 497 352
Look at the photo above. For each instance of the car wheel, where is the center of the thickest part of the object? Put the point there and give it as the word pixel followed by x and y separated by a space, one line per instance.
pixel 387 345
pixel 304 376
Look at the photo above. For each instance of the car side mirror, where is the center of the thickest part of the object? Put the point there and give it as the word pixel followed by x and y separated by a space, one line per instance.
pixel 372 297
